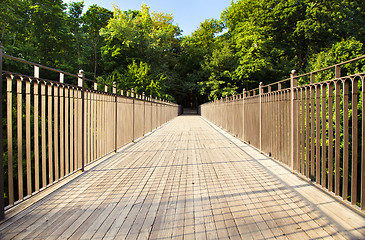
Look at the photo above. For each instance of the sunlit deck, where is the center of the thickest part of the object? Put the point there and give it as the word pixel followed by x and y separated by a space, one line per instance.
pixel 187 180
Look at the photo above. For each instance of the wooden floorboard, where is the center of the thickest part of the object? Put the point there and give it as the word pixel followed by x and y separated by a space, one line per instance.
pixel 187 180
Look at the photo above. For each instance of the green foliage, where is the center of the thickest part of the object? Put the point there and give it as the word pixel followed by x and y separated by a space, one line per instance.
pixel 339 52
pixel 144 37
pixel 254 41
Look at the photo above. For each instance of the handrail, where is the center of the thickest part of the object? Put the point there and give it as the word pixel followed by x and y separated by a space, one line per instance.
pixel 76 76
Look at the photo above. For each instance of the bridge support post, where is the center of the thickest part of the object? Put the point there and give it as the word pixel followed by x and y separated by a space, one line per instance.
pixel 2 200
pixel 293 121
pixel 81 83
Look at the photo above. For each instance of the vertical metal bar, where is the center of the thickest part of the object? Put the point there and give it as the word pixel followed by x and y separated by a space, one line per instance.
pixel 345 186
pixel 62 129
pixel 116 116
pixel 67 122
pixel 2 200
pixel 243 114
pixel 43 132
pixel 354 187
pixel 56 133
pixel 27 137
pixel 36 133
pixel 303 133
pixel 324 136
pixel 307 134
pixel 144 113
pixel 89 127
pixel 72 130
pixel 95 152
pixel 318 134
pixel 81 81
pixel 330 137
pixel 10 138
pixel 20 138
pixel 133 124
pixel 362 193
pixel 338 136
pixel 293 122
pixel 50 135
pixel 313 136
pixel 260 114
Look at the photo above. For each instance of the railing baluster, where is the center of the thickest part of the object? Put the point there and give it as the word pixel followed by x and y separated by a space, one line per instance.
pixel 354 187
pixel 318 134
pixel 9 123
pixel 324 136
pixel 67 122
pixel 27 133
pixel 308 132
pixel 362 198
pixel 20 138
pixel 338 136
pixel 56 133
pixel 345 185
pixel 330 136
pixel 50 135
pixel 36 134
pixel 44 135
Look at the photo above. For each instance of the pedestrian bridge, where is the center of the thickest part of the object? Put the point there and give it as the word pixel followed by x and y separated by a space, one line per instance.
pixel 92 161
pixel 187 180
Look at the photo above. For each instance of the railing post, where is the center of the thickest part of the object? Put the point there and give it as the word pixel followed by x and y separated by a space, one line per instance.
pixel 132 95
pixel 260 119
pixel 116 116
pixel 81 83
pixel 243 114
pixel 2 200
pixel 144 113
pixel 337 71
pixel 293 125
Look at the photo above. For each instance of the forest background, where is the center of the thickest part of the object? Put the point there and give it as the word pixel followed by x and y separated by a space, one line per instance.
pixel 253 41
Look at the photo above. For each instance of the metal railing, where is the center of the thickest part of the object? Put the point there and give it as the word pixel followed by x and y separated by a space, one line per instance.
pixel 316 129
pixel 54 129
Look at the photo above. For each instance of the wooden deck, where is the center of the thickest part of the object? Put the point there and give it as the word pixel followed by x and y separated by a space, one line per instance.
pixel 187 180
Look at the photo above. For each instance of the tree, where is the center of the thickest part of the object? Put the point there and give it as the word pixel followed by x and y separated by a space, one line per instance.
pixel 95 19
pixel 141 37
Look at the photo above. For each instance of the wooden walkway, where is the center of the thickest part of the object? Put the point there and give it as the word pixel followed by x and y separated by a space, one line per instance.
pixel 187 180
